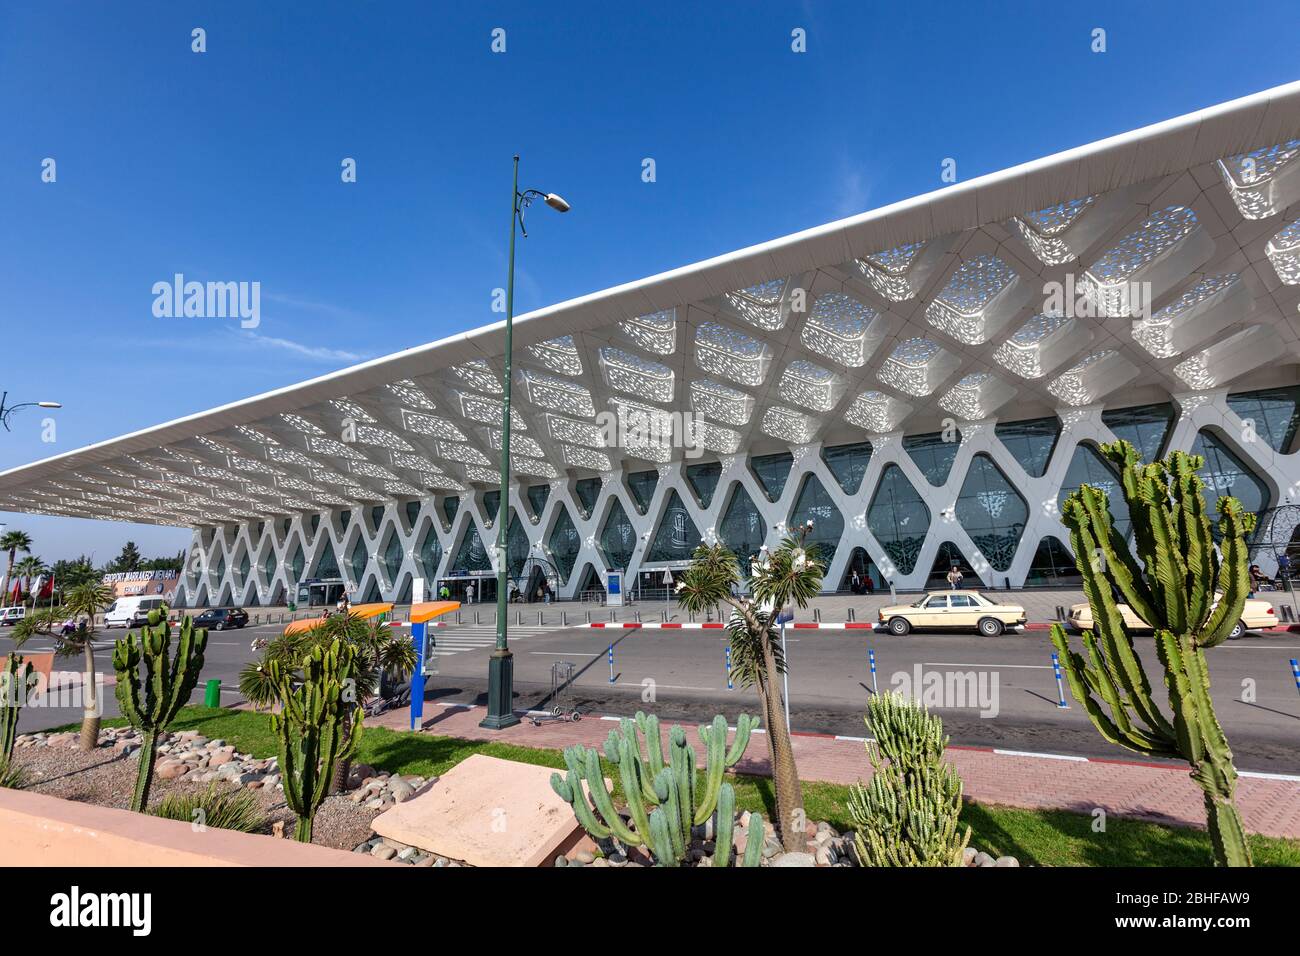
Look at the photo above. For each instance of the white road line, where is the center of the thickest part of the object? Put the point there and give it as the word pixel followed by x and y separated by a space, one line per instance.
pixel 1026 753
pixel 625 683
pixel 1027 667
pixel 572 653
pixel 1261 647
pixel 1259 774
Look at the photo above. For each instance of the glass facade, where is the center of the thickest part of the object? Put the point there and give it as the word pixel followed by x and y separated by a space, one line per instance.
pixel 848 463
pixel 703 479
pixel 1088 467
pixel 1145 427
pixel 898 518
pixel 315 523
pixel 472 556
pixel 392 555
pixel 491 505
pixel 1225 474
pixel 1030 442
pixel 948 556
pixel 328 565
pixel 588 490
pixel 449 508
pixel 517 547
pixel 412 512
pixel 677 536
pixel 1053 566
pixel 537 497
pixel 268 565
pixel 828 524
pixel 376 517
pixel 642 485
pixel 742 529
pixel 358 560
pixel 564 543
pixel 430 556
pixel 992 512
pixel 772 472
pixel 933 454
pixel 617 538
pixel 1275 412
pixel 296 564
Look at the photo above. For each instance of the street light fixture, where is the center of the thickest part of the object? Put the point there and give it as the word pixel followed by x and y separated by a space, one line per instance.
pixel 501 665
pixel 6 410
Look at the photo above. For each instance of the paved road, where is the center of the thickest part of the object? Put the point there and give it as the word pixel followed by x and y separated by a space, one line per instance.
pixel 830 680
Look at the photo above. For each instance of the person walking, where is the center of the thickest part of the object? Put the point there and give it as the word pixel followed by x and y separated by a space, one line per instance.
pixel 954 577
pixel 469 593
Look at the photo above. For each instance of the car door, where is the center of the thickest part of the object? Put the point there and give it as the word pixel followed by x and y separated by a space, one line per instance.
pixel 962 611
pixel 934 612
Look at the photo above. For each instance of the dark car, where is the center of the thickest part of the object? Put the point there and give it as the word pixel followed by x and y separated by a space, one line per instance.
pixel 220 618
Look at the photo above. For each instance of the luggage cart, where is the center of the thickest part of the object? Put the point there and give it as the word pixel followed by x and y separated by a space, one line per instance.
pixel 561 697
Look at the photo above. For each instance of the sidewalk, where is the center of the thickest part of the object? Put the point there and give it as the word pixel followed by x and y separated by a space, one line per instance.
pixel 1270 805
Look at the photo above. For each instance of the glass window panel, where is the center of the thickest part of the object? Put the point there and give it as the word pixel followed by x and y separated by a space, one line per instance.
pixel 295 565
pixel 1053 566
pixel 1145 427
pixel 992 512
pixel 703 478
pixel 1275 412
pixel 618 538
pixel 471 556
pixel 588 490
pixel 328 565
pixel 358 560
pixel 430 557
pixel 848 463
pixel 393 555
pixel 376 516
pixel 642 485
pixel 1088 467
pixel 517 547
pixel 677 536
pixel 564 543
pixel 742 529
pixel 1225 474
pixel 449 508
pixel 491 504
pixel 412 512
pixel 898 518
pixel 933 455
pixel 1030 442
pixel 828 524
pixel 948 557
pixel 772 472
pixel 537 496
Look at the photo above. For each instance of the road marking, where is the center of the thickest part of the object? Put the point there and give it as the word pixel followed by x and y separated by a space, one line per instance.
pixel 574 653
pixel 624 683
pixel 1028 667
pixel 1026 753
pixel 1268 776
pixel 1261 647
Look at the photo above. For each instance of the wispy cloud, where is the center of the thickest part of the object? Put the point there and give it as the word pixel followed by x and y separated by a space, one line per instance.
pixel 318 352
pixel 309 305
pixel 852 189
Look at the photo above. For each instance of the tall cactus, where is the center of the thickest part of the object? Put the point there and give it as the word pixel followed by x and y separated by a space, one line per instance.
pixel 16 681
pixel 313 726
pixel 909 814
pixel 1190 593
pixel 665 798
pixel 167 683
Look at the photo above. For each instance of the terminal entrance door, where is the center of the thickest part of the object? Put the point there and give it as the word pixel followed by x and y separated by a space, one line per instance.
pixel 485 588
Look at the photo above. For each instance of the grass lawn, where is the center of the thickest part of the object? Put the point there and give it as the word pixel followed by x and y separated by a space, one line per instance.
pixel 1037 837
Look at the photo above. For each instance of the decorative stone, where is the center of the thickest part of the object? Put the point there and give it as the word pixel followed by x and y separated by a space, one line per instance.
pixel 793 859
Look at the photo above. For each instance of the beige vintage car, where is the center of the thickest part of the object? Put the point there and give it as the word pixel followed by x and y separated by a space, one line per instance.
pixel 1255 615
pixel 950 611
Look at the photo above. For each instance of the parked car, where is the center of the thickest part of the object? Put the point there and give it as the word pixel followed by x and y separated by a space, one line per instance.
pixel 9 616
pixel 131 611
pixel 1255 615
pixel 952 610
pixel 220 618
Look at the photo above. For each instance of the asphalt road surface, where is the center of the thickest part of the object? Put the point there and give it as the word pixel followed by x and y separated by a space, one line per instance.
pixel 997 692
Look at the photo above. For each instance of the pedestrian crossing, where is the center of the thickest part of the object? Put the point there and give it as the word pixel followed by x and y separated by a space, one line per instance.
pixel 458 638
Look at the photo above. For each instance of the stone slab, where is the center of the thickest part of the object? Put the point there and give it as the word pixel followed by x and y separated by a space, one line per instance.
pixel 486 812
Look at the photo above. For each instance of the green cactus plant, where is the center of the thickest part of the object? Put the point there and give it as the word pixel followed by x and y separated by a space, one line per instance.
pixel 313 725
pixel 908 815
pixel 16 681
pixel 1190 592
pixel 665 797
pixel 168 683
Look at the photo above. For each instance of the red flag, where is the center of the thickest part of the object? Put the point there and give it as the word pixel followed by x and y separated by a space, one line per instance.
pixel 47 589
pixel 17 593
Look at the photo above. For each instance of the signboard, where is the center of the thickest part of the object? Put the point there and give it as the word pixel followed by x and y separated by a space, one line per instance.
pixel 614 588
pixel 417 591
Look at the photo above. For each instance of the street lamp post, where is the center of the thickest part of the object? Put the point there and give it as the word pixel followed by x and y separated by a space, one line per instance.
pixel 501 665
pixel 6 410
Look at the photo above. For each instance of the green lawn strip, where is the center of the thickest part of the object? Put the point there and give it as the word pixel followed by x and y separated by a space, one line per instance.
pixel 1034 837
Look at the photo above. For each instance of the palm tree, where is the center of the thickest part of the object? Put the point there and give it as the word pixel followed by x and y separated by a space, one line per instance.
pixel 84 602
pixel 381 657
pixel 13 542
pixel 789 575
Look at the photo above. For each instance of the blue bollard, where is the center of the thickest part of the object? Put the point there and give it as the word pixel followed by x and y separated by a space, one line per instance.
pixel 1295 672
pixel 1060 688
pixel 871 655
pixel 611 663
pixel 730 686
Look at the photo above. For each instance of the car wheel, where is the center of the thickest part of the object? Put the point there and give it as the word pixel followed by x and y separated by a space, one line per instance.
pixel 899 626
pixel 1237 631
pixel 990 627
pixel 219 626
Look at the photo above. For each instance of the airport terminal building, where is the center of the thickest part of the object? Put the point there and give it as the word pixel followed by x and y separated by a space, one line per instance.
pixel 926 382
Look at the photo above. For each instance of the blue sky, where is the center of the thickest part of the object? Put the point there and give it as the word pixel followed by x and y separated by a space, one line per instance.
pixel 225 165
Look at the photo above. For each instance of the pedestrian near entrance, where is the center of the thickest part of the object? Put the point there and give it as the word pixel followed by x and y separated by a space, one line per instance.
pixel 954 577
pixel 444 593
pixel 469 594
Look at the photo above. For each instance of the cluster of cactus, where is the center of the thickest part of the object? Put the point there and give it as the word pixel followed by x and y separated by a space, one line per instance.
pixel 1190 593
pixel 167 685
pixel 15 682
pixel 316 726
pixel 909 814
pixel 665 797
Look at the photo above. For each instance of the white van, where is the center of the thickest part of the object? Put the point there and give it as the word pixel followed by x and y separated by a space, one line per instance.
pixel 9 616
pixel 131 611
